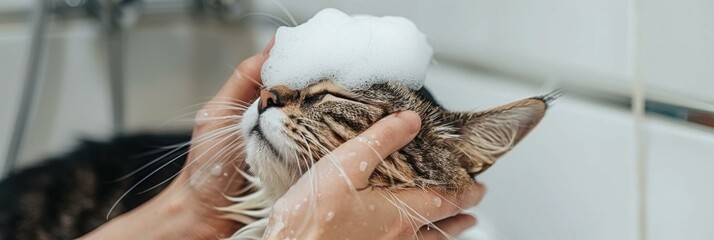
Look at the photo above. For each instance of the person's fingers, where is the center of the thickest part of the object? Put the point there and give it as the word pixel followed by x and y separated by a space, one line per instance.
pixel 213 128
pixel 453 226
pixel 358 157
pixel 235 95
pixel 434 205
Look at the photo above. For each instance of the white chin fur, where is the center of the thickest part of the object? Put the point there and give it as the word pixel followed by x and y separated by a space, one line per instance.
pixel 275 172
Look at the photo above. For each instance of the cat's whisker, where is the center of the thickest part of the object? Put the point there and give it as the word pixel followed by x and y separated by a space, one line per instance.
pixel 416 217
pixel 231 100
pixel 382 160
pixel 228 101
pixel 220 142
pixel 192 177
pixel 124 177
pixel 270 17
pixel 285 10
pixel 208 106
pixel 335 162
pixel 403 213
pixel 160 149
pixel 243 75
pixel 306 218
pixel 313 182
pixel 139 182
pixel 443 198
pixel 208 163
pixel 225 130
pixel 390 173
pixel 172 149
pixel 231 180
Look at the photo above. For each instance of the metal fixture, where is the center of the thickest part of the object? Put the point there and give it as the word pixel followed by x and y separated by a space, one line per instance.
pixel 32 85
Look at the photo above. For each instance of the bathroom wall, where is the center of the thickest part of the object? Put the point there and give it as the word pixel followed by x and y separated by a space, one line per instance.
pixel 182 61
pixel 574 177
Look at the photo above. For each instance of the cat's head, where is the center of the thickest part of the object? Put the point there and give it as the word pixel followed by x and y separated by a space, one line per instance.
pixel 287 130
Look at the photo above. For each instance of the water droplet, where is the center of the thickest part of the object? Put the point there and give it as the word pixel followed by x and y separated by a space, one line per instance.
pixel 374 136
pixel 376 142
pixel 297 206
pixel 201 116
pixel 225 174
pixel 437 201
pixel 216 169
pixel 193 181
pixel 362 139
pixel 351 154
pixel 371 207
pixel 329 216
pixel 363 166
pixel 428 227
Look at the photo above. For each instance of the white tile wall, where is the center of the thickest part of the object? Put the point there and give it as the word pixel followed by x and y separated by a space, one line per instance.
pixel 680 181
pixel 571 178
pixel 677 49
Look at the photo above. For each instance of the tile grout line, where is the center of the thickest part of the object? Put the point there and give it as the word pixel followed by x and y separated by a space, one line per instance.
pixel 638 111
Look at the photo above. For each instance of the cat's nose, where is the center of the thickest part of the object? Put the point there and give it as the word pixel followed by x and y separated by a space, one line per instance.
pixel 268 99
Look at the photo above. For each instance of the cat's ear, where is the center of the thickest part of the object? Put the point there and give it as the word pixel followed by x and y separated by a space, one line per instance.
pixel 487 135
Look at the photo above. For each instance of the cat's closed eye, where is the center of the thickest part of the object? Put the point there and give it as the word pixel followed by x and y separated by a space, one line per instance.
pixel 314 99
pixel 328 96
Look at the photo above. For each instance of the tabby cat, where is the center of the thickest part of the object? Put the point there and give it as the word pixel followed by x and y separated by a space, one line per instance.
pixel 288 130
pixel 69 196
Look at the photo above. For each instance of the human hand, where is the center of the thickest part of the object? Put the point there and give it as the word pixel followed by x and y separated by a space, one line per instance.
pixel 186 209
pixel 334 201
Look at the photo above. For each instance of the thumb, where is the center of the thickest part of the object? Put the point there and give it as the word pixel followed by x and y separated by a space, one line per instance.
pixel 359 156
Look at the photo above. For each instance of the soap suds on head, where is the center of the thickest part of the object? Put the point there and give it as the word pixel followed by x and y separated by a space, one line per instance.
pixel 356 52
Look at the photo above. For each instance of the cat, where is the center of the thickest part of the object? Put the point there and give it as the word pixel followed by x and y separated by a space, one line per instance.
pixel 69 196
pixel 287 130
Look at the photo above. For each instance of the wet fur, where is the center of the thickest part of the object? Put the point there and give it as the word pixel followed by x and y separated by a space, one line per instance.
pixel 445 156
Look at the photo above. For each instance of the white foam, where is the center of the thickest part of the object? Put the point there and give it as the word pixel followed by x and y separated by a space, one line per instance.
pixel 355 51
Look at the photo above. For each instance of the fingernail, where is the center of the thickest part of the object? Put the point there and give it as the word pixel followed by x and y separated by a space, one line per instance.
pixel 412 120
pixel 473 217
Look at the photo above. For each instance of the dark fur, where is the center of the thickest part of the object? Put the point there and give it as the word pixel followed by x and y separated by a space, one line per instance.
pixel 67 196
